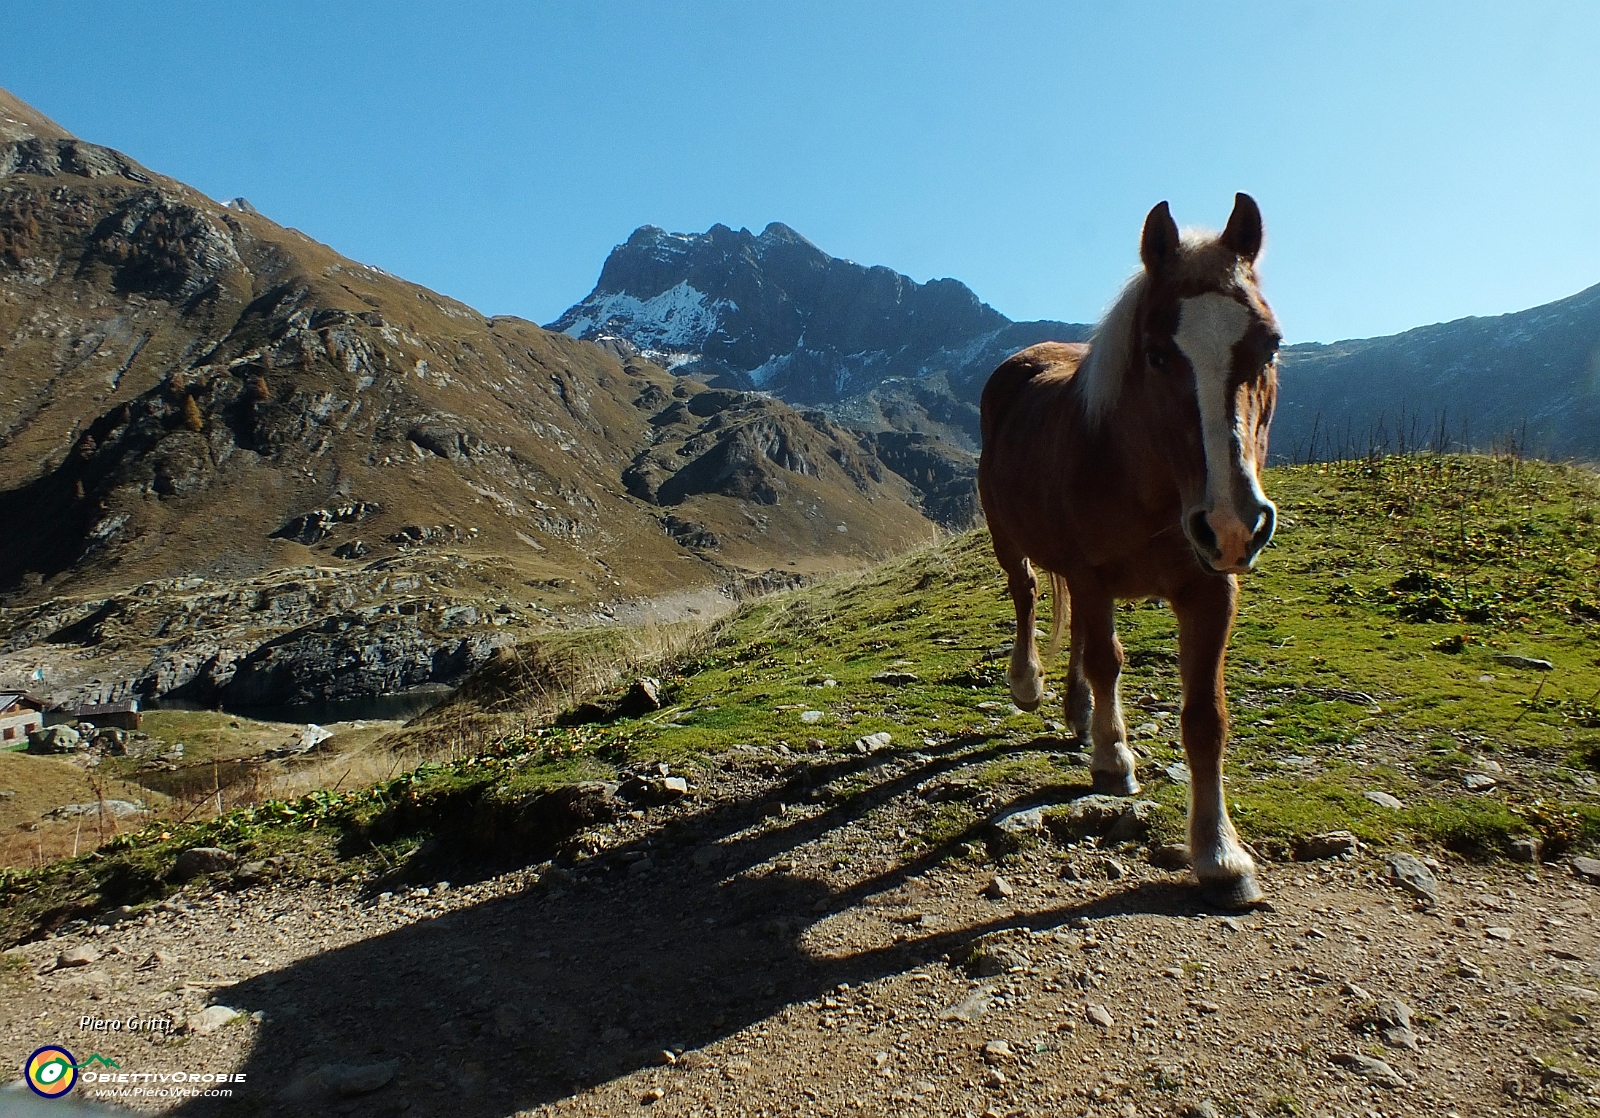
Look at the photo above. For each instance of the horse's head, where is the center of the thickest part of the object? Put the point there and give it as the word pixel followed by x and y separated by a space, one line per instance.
pixel 1206 353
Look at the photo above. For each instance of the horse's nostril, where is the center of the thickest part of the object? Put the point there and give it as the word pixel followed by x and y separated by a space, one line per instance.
pixel 1200 532
pixel 1266 523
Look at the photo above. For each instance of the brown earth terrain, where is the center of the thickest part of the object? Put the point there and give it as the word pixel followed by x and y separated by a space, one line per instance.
pixel 765 946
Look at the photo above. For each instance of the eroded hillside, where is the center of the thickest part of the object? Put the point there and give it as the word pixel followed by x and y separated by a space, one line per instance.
pixel 191 391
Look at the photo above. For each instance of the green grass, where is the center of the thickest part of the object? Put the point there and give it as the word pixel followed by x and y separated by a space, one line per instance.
pixel 1363 659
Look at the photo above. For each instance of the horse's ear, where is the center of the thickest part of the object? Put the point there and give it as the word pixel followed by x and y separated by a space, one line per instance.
pixel 1243 234
pixel 1160 241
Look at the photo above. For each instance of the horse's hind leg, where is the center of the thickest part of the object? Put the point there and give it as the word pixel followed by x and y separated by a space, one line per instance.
pixel 1096 648
pixel 1023 675
pixel 1077 707
pixel 1224 867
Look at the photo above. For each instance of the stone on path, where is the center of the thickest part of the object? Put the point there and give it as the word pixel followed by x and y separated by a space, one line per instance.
pixel 79 956
pixel 1329 844
pixel 1117 818
pixel 873 743
pixel 1406 871
pixel 998 888
pixel 1383 799
pixel 348 1080
pixel 1377 1071
pixel 1099 1014
pixel 1478 782
pixel 1503 934
pixel 1587 868
pixel 969 1008
pixel 209 1020
pixel 996 1051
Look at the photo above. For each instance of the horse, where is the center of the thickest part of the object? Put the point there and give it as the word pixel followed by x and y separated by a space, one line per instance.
pixel 1128 468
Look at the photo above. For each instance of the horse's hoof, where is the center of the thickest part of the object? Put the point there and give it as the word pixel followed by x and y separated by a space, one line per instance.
pixel 1233 893
pixel 1115 784
pixel 1028 706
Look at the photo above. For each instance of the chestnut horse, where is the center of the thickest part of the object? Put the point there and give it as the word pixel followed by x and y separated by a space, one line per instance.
pixel 1130 468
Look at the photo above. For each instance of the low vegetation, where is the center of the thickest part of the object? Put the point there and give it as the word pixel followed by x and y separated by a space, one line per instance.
pixel 1423 627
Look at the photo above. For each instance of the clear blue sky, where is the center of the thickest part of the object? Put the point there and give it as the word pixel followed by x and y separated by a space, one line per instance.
pixel 1415 162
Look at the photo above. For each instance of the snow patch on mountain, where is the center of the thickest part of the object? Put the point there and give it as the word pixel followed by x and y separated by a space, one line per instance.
pixel 678 319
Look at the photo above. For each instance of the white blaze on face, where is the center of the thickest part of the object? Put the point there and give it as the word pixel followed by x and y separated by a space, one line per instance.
pixel 1209 326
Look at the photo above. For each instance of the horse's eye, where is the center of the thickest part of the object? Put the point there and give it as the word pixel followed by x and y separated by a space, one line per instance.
pixel 1158 360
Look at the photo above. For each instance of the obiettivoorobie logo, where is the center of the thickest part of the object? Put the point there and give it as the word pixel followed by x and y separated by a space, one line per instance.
pixel 52 1072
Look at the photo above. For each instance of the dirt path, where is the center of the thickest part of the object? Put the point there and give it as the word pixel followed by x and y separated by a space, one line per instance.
pixel 766 947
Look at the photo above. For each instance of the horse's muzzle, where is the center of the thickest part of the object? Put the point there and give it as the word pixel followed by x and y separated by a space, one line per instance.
pixel 1227 542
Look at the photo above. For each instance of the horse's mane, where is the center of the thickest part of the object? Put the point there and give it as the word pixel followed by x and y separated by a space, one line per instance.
pixel 1109 351
pixel 1111 344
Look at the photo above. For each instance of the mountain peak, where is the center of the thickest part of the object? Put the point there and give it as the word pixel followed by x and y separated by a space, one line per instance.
pixel 776 312
pixel 20 121
pixel 777 231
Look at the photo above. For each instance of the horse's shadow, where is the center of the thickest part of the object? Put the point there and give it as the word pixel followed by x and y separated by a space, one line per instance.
pixel 530 996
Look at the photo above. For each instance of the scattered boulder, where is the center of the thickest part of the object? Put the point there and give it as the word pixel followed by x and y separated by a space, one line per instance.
pixel 997 1051
pixel 309 527
pixel 349 1080
pixel 355 549
pixel 198 860
pixel 1376 1071
pixel 873 743
pixel 653 786
pixel 1587 868
pixel 643 697
pixel 1408 872
pixel 896 678
pixel 210 1019
pixel 1171 856
pixel 1329 844
pixel 1028 820
pixel 54 739
pixel 117 808
pixel 998 888
pixel 1530 663
pixel 1526 849
pixel 1383 799
pixel 1391 1019
pixel 987 960
pixel 1114 818
pixel 82 955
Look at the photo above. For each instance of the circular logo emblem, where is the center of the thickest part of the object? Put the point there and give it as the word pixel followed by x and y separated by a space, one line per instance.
pixel 51 1072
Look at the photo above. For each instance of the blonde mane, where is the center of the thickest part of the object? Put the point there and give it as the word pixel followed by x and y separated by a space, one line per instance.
pixel 1111 342
pixel 1109 348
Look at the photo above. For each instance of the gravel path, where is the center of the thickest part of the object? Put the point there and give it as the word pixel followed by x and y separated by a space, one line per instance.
pixel 758 949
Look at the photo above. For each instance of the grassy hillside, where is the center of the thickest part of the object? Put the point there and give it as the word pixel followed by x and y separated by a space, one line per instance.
pixel 1393 641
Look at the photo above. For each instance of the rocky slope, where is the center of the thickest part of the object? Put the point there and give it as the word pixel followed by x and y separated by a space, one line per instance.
pixel 1532 377
pixel 189 390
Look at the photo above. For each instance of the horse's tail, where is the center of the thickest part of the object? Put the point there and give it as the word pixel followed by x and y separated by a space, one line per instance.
pixel 1060 605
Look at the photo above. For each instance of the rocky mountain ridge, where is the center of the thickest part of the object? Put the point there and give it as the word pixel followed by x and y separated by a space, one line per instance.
pixel 774 312
pixel 881 353
pixel 189 390
pixel 1529 378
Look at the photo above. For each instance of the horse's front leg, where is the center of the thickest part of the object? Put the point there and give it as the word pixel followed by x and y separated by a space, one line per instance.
pixel 1095 646
pixel 1205 618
